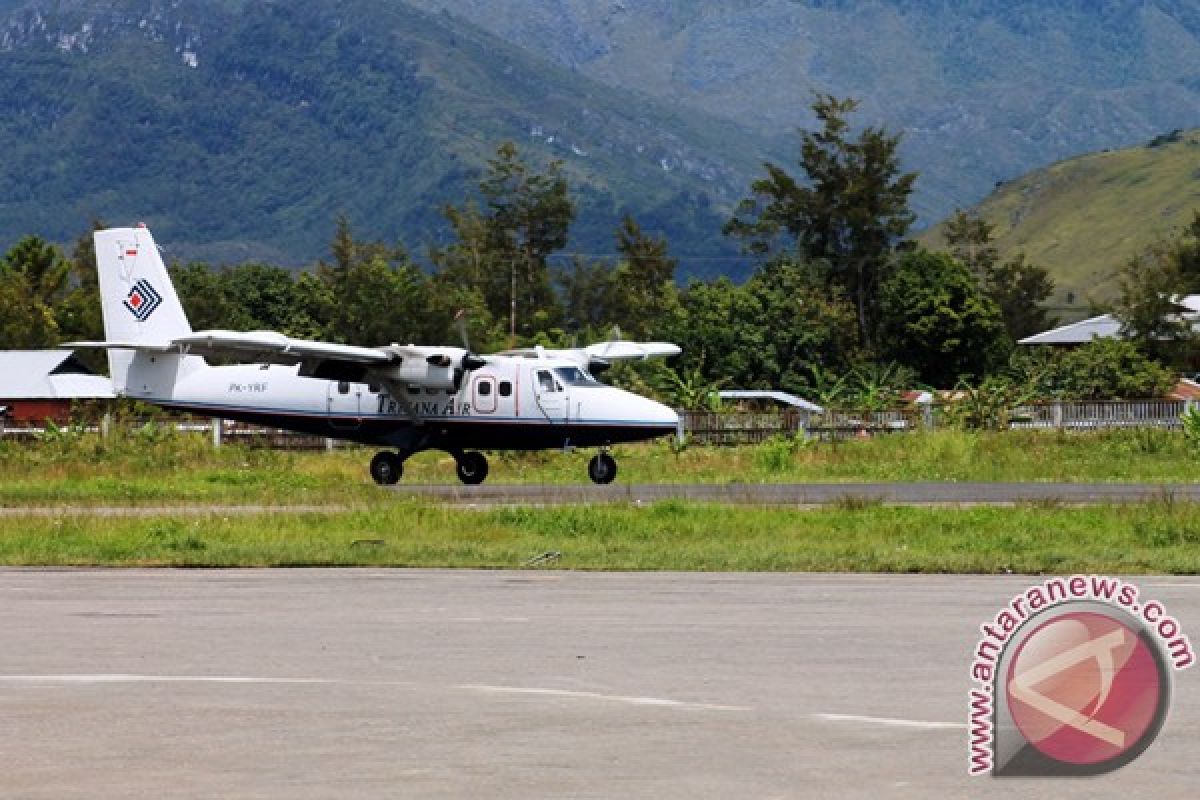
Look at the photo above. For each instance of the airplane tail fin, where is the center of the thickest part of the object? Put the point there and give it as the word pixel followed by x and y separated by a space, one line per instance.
pixel 141 309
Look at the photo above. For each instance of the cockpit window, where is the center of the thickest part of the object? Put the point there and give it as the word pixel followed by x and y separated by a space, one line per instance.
pixel 574 376
pixel 545 381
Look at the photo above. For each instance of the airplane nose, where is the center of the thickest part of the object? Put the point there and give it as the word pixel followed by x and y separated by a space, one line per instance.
pixel 660 414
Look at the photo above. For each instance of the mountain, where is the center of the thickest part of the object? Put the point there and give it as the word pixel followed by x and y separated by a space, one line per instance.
pixel 239 129
pixel 1084 217
pixel 983 91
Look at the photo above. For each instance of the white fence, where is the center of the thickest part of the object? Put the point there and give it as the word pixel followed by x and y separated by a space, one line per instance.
pixel 1114 414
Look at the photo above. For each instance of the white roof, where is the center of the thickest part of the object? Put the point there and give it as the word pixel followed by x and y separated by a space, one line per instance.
pixel 48 375
pixel 781 397
pixel 1106 326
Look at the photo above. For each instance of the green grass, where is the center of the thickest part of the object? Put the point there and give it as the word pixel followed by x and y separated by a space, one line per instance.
pixel 375 527
pixel 1159 537
pixel 178 469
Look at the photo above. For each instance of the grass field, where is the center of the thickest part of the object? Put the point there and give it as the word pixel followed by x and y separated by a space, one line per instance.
pixel 88 470
pixel 371 526
pixel 1159 537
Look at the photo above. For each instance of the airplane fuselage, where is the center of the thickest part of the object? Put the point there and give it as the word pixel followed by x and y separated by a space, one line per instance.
pixel 512 403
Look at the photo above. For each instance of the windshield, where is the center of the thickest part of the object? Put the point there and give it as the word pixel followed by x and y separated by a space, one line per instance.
pixel 574 376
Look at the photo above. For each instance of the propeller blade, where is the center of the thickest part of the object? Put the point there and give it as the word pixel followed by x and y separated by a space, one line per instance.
pixel 460 322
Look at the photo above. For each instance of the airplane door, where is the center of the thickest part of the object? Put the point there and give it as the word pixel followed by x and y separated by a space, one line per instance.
pixel 483 394
pixel 551 395
pixel 344 405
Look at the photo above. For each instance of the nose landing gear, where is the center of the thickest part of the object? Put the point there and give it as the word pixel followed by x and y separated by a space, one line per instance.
pixel 602 468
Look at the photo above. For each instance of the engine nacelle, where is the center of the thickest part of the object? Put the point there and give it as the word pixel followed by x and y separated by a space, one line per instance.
pixel 428 367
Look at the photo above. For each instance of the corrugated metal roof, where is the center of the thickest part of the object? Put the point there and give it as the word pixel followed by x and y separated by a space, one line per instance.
pixel 1106 326
pixel 48 374
pixel 779 397
pixel 1103 327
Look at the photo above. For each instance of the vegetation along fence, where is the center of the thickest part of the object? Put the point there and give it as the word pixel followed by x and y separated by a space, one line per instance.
pixel 711 427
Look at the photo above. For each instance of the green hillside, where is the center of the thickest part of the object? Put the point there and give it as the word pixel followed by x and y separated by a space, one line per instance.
pixel 240 130
pixel 1082 218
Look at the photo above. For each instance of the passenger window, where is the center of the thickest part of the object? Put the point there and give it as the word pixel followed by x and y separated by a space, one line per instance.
pixel 545 381
pixel 505 388
pixel 485 388
pixel 373 388
pixel 343 387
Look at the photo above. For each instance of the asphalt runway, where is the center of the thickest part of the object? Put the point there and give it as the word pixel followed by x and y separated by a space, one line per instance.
pixel 452 684
pixel 805 494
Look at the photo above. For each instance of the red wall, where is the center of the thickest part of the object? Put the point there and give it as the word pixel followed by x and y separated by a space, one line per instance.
pixel 37 410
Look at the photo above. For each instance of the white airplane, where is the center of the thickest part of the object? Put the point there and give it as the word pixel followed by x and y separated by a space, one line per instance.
pixel 408 398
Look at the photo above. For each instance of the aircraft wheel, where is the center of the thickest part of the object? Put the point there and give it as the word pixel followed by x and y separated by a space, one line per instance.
pixel 386 468
pixel 472 467
pixel 602 468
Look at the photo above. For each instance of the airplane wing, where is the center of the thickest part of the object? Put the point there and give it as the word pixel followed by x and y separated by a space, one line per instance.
pixel 598 357
pixel 431 367
pixel 622 350
pixel 253 346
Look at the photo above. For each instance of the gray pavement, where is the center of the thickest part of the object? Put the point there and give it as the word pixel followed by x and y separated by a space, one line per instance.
pixel 451 684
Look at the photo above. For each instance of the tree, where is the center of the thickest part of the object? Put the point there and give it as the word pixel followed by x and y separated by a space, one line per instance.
pixel 1102 369
pixel 644 281
pixel 970 239
pixel 718 326
pixel 848 212
pixel 805 331
pixel 43 266
pixel 1019 289
pixel 935 320
pixel 530 215
pixel 78 315
pixel 374 294
pixel 33 278
pixel 25 321
pixel 1185 252
pixel 1150 286
pixel 590 296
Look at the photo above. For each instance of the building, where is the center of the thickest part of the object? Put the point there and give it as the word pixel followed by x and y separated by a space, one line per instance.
pixel 1105 326
pixel 36 385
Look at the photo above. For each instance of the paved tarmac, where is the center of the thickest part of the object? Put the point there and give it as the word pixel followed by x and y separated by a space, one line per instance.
pixel 802 494
pixel 454 684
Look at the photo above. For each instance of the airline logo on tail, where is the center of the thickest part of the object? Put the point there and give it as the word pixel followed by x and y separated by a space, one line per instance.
pixel 142 300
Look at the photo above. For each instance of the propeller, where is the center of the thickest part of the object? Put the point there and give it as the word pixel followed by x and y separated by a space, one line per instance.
pixel 598 364
pixel 470 360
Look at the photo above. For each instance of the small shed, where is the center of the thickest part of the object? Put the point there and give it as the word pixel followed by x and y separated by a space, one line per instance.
pixel 37 385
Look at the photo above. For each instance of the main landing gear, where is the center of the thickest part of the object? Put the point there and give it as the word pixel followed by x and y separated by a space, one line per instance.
pixel 387 467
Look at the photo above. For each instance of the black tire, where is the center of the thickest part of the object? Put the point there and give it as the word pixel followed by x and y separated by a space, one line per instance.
pixel 602 468
pixel 386 468
pixel 472 468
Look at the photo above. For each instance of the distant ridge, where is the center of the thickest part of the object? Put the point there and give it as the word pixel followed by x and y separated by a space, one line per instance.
pixel 1084 217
